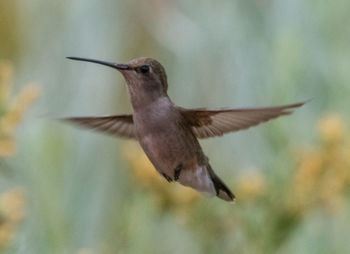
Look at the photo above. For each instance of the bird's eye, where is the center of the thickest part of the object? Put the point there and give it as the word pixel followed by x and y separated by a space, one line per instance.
pixel 144 68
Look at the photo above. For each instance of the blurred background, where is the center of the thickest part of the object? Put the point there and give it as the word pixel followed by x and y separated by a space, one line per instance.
pixel 67 190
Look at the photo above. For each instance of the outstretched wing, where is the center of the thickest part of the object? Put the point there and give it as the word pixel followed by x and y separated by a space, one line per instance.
pixel 119 125
pixel 207 123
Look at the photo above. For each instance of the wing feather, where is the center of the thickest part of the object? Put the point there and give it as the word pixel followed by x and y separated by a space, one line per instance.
pixel 207 123
pixel 117 125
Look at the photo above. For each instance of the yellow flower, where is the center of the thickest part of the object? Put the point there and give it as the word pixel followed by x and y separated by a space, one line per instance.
pixel 183 195
pixel 251 184
pixel 324 171
pixel 331 128
pixel 12 110
pixel 7 147
pixel 14 115
pixel 5 81
pixel 308 173
pixel 12 211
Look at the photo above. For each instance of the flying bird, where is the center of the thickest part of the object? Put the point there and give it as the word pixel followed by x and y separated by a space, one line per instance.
pixel 168 133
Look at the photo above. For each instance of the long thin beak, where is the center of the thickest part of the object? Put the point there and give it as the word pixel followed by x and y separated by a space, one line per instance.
pixel 113 65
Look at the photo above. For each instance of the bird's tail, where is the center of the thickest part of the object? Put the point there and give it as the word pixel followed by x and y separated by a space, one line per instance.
pixel 222 191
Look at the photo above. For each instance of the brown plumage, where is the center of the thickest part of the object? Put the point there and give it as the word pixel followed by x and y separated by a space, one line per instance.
pixel 121 125
pixel 168 133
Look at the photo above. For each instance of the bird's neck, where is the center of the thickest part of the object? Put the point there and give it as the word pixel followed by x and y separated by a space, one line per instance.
pixel 143 99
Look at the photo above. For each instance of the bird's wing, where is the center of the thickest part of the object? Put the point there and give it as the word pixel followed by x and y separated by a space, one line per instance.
pixel 207 123
pixel 119 125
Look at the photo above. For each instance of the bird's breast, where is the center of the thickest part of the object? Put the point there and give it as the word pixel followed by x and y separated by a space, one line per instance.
pixel 158 116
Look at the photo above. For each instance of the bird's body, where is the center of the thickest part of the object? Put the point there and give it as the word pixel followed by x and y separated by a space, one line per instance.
pixel 165 139
pixel 168 133
pixel 169 144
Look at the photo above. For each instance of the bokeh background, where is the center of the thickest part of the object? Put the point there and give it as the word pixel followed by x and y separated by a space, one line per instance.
pixel 67 190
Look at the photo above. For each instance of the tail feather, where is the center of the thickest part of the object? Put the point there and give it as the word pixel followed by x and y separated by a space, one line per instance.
pixel 222 191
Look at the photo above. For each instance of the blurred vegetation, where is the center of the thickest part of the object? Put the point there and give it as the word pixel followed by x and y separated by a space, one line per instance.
pixel 65 190
pixel 12 109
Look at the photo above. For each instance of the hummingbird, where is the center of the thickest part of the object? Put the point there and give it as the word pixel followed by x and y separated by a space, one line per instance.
pixel 169 133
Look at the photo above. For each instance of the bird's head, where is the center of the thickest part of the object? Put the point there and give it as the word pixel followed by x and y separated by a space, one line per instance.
pixel 141 74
